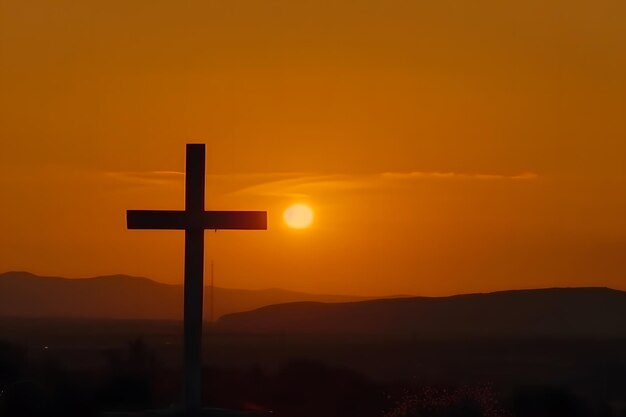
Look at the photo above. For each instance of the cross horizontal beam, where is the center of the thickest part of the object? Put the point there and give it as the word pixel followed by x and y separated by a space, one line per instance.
pixel 183 220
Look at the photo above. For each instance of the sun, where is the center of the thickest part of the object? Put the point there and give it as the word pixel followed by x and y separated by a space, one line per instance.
pixel 298 216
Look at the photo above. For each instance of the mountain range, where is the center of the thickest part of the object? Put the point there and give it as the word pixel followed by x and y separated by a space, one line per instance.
pixel 23 294
pixel 553 312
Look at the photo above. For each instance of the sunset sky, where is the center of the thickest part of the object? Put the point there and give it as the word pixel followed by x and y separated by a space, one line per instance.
pixel 445 146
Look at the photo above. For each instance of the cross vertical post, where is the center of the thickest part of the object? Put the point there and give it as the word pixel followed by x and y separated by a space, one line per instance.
pixel 194 276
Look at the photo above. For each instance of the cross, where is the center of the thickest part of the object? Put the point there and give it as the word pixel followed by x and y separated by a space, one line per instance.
pixel 194 220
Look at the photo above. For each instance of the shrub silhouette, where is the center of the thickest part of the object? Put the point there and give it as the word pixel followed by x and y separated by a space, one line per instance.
pixel 12 362
pixel 464 401
pixel 130 375
pixel 307 388
pixel 23 399
pixel 546 402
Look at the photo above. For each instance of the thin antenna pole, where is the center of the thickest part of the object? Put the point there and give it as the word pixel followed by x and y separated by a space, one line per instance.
pixel 212 293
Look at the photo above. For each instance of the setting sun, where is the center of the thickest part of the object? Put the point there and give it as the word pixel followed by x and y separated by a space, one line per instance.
pixel 298 216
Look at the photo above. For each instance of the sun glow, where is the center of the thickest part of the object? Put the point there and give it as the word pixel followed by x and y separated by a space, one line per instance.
pixel 298 216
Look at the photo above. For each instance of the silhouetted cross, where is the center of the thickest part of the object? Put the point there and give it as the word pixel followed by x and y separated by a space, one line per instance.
pixel 194 220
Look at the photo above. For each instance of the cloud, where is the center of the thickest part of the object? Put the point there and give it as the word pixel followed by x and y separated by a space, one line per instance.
pixel 294 186
pixel 417 175
pixel 268 184
pixel 225 183
pixel 303 185
pixel 146 177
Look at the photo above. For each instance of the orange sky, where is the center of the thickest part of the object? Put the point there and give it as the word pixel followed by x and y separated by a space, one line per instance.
pixel 446 147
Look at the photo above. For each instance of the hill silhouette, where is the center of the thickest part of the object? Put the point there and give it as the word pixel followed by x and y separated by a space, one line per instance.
pixel 555 312
pixel 23 294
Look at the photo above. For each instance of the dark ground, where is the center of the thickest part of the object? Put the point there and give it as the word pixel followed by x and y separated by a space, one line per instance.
pixel 75 368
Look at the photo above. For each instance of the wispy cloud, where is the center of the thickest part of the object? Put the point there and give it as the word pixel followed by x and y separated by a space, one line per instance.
pixel 174 176
pixel 299 186
pixel 226 183
pixel 146 177
pixel 417 175
pixel 303 185
pixel 272 184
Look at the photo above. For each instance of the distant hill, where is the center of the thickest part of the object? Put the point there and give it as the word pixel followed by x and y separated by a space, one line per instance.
pixel 555 312
pixel 124 297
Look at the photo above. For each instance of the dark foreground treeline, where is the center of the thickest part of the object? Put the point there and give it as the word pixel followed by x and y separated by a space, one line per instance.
pixel 135 377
